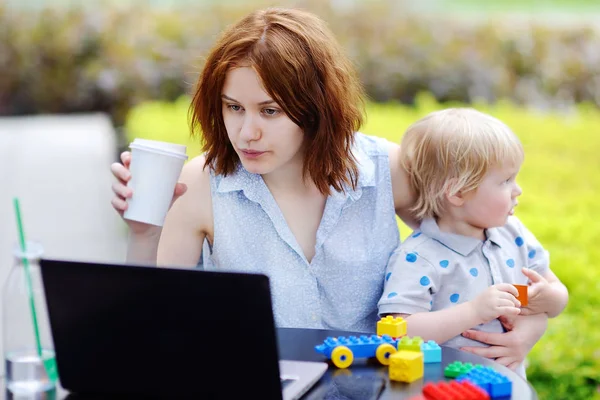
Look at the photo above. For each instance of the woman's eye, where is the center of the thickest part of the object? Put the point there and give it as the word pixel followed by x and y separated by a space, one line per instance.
pixel 270 111
pixel 234 107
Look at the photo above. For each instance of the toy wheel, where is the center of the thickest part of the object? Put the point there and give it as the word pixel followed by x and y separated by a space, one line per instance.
pixel 342 357
pixel 383 353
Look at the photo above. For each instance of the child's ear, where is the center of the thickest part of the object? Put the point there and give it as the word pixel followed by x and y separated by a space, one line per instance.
pixel 457 199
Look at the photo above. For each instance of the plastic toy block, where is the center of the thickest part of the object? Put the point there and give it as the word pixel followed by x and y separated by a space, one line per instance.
pixel 410 344
pixel 458 368
pixel 342 350
pixel 522 289
pixel 493 382
pixel 432 352
pixel 406 366
pixel 454 391
pixel 394 327
pixel 361 346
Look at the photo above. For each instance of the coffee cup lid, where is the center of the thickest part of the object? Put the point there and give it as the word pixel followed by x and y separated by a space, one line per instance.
pixel 162 151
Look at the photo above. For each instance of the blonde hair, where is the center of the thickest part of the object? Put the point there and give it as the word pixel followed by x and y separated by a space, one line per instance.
pixel 450 151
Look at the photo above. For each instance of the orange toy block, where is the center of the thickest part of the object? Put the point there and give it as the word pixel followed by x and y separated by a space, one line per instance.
pixel 522 294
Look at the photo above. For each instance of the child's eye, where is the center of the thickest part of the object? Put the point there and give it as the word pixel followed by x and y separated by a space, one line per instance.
pixel 271 111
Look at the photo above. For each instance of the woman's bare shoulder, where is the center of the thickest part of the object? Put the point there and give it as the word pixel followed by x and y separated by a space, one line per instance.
pixel 195 172
pixel 196 203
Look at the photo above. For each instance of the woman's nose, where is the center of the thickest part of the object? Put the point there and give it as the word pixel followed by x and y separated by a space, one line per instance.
pixel 250 129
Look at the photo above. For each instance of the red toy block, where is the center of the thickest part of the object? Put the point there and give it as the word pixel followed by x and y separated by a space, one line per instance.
pixel 454 391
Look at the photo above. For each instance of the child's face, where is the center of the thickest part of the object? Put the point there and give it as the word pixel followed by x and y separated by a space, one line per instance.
pixel 491 204
pixel 261 133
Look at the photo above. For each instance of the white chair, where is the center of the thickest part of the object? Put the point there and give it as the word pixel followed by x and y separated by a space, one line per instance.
pixel 59 168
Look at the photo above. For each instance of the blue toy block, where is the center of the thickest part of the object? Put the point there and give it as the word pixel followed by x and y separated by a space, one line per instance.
pixel 361 346
pixel 493 382
pixel 432 352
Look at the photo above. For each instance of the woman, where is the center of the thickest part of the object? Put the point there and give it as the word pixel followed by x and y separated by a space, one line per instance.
pixel 286 186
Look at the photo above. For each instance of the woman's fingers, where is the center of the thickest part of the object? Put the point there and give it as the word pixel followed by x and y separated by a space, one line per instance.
pixel 122 191
pixel 486 337
pixel 120 172
pixel 119 204
pixel 507 322
pixel 126 158
pixel 487 352
pixel 180 189
pixel 507 362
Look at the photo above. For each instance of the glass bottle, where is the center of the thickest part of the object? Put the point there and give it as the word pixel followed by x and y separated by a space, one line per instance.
pixel 26 377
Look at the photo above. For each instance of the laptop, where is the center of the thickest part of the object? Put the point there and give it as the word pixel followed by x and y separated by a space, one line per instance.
pixel 123 330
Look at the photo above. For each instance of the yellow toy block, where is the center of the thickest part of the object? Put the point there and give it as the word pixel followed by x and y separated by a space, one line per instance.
pixel 388 325
pixel 406 366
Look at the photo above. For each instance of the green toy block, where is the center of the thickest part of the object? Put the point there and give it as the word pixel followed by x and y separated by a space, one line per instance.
pixel 410 344
pixel 458 368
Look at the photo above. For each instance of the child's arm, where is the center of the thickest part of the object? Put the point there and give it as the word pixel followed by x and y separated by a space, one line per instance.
pixel 443 325
pixel 546 294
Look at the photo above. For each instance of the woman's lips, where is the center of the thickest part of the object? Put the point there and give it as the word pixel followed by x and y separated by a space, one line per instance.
pixel 252 153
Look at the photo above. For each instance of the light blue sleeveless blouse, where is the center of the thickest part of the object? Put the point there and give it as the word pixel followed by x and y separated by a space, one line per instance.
pixel 340 287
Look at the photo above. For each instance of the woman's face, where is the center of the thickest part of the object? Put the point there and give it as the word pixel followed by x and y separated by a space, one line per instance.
pixel 263 136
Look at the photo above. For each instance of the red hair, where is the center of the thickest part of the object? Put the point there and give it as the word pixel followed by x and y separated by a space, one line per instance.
pixel 303 68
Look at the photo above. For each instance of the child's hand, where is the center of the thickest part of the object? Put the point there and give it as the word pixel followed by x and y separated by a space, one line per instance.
pixel 495 301
pixel 539 294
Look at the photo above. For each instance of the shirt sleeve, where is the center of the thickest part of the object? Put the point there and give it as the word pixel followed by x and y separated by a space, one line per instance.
pixel 410 282
pixel 538 258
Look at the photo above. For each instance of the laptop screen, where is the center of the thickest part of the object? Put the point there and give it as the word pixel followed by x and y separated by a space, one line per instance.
pixel 161 331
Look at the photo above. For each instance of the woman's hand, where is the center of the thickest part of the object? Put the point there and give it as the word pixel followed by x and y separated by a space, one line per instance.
pixel 123 192
pixel 510 348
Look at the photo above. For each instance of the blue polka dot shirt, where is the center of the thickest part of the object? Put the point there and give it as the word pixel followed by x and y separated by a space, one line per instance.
pixel 433 270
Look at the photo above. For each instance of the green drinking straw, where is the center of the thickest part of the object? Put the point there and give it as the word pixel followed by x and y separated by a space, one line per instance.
pixel 50 363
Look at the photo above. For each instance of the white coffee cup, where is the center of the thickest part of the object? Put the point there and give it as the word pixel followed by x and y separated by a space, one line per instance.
pixel 155 168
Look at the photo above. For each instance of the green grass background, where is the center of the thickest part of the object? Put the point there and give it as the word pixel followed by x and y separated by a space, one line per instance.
pixel 560 204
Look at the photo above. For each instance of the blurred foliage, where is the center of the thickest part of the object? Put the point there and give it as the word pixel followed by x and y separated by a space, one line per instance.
pixel 95 58
pixel 561 193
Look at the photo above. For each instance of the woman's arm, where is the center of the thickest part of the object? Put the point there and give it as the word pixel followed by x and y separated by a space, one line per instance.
pixel 404 196
pixel 510 348
pixel 189 221
pixel 142 248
